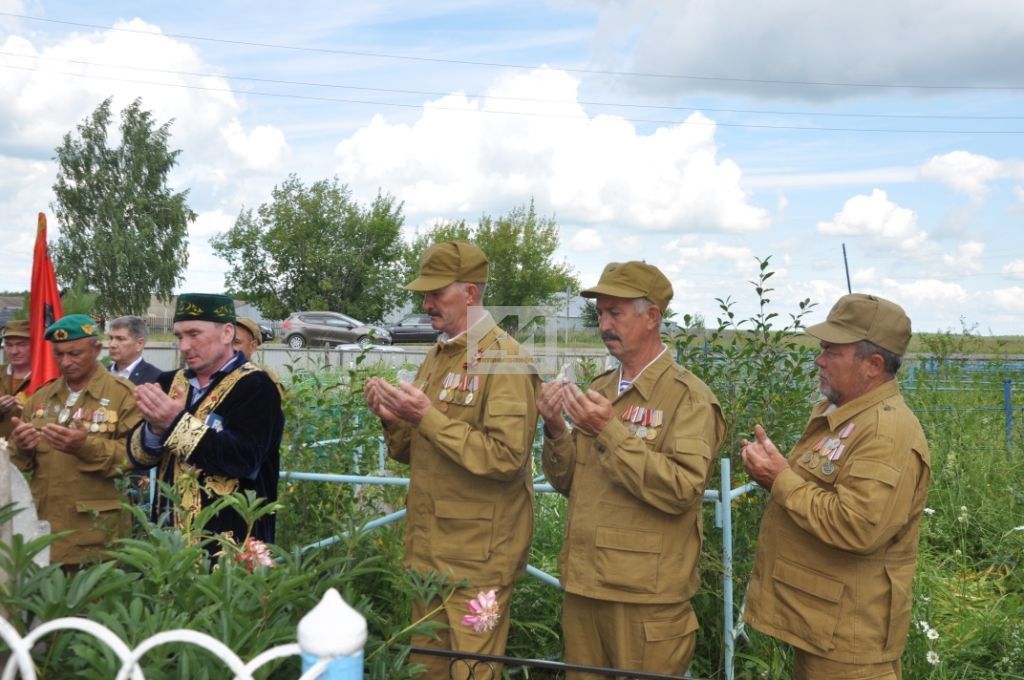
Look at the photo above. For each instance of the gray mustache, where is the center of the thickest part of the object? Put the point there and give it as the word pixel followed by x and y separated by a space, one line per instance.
pixel 608 335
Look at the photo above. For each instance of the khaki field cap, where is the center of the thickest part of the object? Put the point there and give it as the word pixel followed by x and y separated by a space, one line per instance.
pixel 633 280
pixel 443 263
pixel 857 317
pixel 16 328
pixel 250 325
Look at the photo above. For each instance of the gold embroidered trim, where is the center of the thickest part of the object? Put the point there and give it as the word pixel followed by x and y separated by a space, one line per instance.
pixel 183 441
pixel 220 485
pixel 185 437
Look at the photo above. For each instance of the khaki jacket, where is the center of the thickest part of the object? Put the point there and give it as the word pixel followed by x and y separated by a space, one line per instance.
pixel 76 491
pixel 8 385
pixel 838 543
pixel 634 529
pixel 470 500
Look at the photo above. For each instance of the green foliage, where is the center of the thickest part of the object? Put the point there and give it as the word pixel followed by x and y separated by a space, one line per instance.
pixel 589 314
pixel 519 246
pixel 758 370
pixel 123 231
pixel 315 248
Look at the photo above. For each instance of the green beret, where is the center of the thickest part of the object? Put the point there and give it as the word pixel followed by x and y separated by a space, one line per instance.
pixel 71 327
pixel 205 307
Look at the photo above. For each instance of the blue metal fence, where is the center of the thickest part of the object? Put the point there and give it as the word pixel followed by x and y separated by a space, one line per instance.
pixel 721 498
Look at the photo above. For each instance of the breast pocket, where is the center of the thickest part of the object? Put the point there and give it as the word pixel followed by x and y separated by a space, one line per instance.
pixel 463 530
pixel 628 559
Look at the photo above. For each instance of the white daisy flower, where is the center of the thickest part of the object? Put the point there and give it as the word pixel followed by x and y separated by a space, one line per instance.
pixel 932 658
pixel 932 634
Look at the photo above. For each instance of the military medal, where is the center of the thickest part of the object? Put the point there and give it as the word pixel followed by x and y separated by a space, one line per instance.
pixel 813 462
pixel 828 467
pixel 807 457
pixel 65 413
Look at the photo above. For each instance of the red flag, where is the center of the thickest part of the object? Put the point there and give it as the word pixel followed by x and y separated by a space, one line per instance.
pixel 43 309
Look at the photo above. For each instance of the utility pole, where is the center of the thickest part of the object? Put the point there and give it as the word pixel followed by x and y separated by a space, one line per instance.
pixel 846 265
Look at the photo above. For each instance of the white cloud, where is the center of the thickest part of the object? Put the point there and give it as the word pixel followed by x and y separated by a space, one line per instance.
pixel 864 276
pixel 596 170
pixel 879 219
pixel 688 252
pixel 783 203
pixel 586 241
pixel 967 258
pixel 923 290
pixel 1007 299
pixel 1019 193
pixel 263 148
pixel 210 223
pixel 964 172
pixel 874 41
pixel 1014 269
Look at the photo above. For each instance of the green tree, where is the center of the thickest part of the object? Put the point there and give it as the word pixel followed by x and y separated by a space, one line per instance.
pixel 519 246
pixel 124 232
pixel 316 248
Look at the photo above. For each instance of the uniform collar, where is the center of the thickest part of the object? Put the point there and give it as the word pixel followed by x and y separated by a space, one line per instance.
pixel 95 384
pixel 482 329
pixel 644 383
pixel 838 416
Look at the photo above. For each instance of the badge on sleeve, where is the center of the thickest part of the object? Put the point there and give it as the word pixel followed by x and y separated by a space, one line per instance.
pixel 215 422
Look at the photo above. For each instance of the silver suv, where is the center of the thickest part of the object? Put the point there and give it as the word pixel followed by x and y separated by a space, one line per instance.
pixel 330 328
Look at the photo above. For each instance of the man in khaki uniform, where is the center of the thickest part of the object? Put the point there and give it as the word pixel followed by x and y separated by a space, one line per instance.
pixel 838 543
pixel 634 467
pixel 72 440
pixel 14 375
pixel 247 337
pixel 466 427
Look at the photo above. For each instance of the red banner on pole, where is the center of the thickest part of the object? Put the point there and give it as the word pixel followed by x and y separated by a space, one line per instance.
pixel 43 309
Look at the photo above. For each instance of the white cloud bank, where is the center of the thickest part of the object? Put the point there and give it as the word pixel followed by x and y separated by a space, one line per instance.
pixel 883 222
pixel 591 170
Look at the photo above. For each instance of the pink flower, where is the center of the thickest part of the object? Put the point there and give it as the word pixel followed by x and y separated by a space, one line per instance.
pixel 254 553
pixel 484 614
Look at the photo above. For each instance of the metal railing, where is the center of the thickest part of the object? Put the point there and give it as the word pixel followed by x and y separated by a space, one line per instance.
pixel 721 498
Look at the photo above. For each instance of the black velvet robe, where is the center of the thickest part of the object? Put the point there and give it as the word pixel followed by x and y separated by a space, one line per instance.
pixel 244 444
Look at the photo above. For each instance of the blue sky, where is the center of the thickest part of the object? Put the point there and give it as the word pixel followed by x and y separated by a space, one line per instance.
pixel 697 136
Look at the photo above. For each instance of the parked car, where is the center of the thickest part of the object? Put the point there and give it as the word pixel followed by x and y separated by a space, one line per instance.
pixel 330 328
pixel 266 333
pixel 414 328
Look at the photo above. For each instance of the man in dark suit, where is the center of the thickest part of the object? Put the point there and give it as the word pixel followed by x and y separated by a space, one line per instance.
pixel 127 337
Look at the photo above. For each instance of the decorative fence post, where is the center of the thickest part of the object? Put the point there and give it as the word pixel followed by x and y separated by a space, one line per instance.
pixel 332 636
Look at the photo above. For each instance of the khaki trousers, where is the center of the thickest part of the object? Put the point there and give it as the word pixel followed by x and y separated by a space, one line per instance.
pixel 453 634
pixel 807 666
pixel 657 638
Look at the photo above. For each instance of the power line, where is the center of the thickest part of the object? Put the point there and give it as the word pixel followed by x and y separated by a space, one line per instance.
pixel 532 114
pixel 426 93
pixel 489 64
